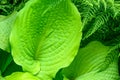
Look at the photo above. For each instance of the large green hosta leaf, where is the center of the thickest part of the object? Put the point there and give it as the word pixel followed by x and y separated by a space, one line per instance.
pixel 46 36
pixel 94 62
pixel 6 23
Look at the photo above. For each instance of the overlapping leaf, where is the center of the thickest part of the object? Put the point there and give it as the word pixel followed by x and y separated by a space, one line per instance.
pixel 94 62
pixel 6 23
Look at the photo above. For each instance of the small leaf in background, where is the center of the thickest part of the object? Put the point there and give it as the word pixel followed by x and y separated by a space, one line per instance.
pixel 6 24
pixel 11 68
pixel 7 65
pixel 59 75
pixel 5 60
pixel 94 62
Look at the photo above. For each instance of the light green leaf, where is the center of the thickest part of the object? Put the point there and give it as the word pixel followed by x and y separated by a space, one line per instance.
pixel 94 62
pixel 21 76
pixel 1 78
pixel 6 23
pixel 46 36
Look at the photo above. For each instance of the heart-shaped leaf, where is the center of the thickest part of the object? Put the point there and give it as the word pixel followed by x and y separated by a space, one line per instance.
pixel 46 36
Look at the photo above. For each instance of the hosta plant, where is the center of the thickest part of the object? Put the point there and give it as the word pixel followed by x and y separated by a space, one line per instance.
pixel 59 40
